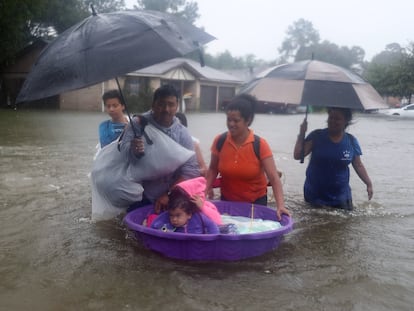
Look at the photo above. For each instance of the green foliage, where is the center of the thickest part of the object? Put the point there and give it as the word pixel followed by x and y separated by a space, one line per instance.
pixel 392 55
pixel 299 35
pixel 351 58
pixel 187 10
pixel 23 21
pixel 391 72
pixel 380 77
pixel 141 102
pixel 14 30
pixel 303 42
pixel 104 6
pixel 226 61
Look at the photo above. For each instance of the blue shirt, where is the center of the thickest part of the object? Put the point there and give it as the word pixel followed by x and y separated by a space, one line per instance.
pixel 109 131
pixel 327 175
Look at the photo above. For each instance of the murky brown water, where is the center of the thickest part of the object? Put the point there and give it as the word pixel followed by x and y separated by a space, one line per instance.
pixel 53 258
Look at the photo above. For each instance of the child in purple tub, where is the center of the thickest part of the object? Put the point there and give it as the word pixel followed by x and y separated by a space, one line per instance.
pixel 184 215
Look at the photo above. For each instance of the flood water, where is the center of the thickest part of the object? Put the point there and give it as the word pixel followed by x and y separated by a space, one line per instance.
pixel 52 257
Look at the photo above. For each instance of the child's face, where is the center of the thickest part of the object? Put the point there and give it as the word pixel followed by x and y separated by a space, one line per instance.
pixel 114 108
pixel 178 217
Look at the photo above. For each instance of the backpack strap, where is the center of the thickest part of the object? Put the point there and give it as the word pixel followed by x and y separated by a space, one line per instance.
pixel 220 141
pixel 256 144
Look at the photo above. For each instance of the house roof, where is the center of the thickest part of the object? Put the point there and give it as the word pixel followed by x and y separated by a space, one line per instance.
pixel 186 69
pixel 39 43
pixel 24 59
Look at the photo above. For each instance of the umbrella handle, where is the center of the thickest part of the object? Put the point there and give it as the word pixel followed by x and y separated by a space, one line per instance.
pixel 129 115
pixel 126 107
pixel 302 150
pixel 93 10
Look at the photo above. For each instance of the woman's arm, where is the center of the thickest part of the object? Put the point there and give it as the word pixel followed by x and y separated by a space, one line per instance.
pixel 301 145
pixel 363 175
pixel 273 177
pixel 211 174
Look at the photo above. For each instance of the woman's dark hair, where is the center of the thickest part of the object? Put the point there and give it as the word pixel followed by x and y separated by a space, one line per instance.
pixel 346 112
pixel 112 94
pixel 178 198
pixel 165 91
pixel 246 104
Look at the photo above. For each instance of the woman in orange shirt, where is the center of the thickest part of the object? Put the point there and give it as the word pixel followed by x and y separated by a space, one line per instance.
pixel 244 171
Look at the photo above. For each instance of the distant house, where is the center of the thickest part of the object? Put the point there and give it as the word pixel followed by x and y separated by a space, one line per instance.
pixel 88 98
pixel 202 88
pixel 13 75
pixel 12 78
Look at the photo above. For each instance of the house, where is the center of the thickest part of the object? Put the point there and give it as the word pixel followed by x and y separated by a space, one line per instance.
pixel 202 88
pixel 13 75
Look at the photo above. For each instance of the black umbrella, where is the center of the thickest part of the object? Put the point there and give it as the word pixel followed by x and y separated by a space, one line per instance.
pixel 314 83
pixel 104 46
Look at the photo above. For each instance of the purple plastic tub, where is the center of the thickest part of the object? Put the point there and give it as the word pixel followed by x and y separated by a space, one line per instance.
pixel 211 247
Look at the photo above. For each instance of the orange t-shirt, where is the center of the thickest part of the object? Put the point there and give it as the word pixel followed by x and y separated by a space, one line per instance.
pixel 242 174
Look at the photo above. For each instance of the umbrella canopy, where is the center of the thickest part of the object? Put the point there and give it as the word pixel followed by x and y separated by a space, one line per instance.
pixel 314 83
pixel 104 46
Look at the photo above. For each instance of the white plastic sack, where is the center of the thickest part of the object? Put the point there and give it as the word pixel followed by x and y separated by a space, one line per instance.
pixel 102 208
pixel 116 182
pixel 161 158
pixel 112 189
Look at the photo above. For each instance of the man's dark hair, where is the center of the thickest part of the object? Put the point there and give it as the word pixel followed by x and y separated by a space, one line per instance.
pixel 165 91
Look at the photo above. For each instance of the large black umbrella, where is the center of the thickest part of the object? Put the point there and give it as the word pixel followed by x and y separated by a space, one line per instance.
pixel 314 83
pixel 104 46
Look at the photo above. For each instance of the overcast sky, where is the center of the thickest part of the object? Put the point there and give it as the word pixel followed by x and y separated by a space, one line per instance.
pixel 259 26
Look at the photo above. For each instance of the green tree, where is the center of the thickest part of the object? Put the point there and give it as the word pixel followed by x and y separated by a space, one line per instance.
pixel 391 72
pixel 403 74
pixel 299 36
pixel 303 42
pixel 14 29
pixel 63 14
pixel 226 61
pixel 182 8
pixel 351 58
pixel 392 55
pixel 23 21
pixel 382 71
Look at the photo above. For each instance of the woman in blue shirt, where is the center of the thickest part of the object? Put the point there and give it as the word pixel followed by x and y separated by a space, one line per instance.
pixel 110 130
pixel 327 175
